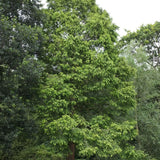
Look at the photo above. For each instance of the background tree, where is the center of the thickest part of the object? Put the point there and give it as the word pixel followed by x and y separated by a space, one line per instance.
pixel 26 11
pixel 149 37
pixel 20 74
pixel 148 99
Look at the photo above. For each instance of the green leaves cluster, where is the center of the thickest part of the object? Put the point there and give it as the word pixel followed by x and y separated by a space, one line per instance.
pixel 147 36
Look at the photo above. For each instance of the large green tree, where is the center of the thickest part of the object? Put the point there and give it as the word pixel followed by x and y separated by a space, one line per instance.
pixel 88 92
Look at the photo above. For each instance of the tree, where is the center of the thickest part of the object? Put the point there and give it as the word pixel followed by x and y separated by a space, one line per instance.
pixel 147 36
pixel 148 98
pixel 26 11
pixel 88 92
pixel 21 74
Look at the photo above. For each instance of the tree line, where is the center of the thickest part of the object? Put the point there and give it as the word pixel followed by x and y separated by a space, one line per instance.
pixel 69 89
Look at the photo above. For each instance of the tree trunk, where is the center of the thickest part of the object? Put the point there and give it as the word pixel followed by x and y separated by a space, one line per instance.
pixel 71 155
pixel 137 127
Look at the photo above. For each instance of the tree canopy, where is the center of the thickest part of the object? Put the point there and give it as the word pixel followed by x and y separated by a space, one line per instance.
pixel 88 92
pixel 147 36
pixel 146 84
pixel 66 90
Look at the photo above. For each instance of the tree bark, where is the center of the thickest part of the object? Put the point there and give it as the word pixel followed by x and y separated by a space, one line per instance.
pixel 71 155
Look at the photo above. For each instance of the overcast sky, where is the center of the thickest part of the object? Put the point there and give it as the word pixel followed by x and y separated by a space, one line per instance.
pixel 131 14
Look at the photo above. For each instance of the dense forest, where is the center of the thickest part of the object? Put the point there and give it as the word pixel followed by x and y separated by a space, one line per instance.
pixel 70 88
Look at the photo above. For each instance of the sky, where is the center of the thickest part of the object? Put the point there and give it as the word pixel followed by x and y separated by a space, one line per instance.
pixel 131 14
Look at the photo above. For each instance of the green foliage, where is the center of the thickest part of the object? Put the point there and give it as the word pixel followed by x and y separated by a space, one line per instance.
pixel 147 87
pixel 26 11
pixel 31 152
pixel 20 75
pixel 65 91
pixel 88 92
pixel 147 36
